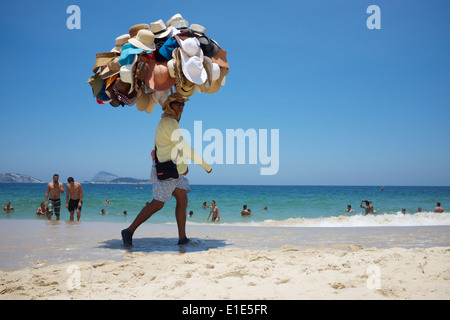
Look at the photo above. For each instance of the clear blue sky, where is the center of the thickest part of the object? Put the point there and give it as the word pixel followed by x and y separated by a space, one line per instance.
pixel 353 106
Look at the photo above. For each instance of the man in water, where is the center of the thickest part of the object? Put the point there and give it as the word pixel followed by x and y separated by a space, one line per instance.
pixel 8 207
pixel 349 208
pixel 54 189
pixel 368 207
pixel 74 198
pixel 438 208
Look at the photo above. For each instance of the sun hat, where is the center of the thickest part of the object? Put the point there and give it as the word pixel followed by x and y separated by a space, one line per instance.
pixel 182 84
pixel 127 73
pixel 144 40
pixel 120 41
pixel 112 69
pixel 96 83
pixel 177 22
pixel 201 30
pixel 160 96
pixel 159 29
pixel 159 78
pixel 128 52
pixel 102 59
pixel 135 29
pixel 145 102
pixel 216 84
pixel 168 111
pixel 192 61
pixel 221 58
pixel 208 46
pixel 168 47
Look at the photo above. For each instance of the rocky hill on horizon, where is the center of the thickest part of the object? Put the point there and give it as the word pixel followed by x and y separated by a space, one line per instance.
pixel 18 178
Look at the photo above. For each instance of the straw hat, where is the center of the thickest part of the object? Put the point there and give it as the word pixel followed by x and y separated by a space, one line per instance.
pixel 160 78
pixel 120 41
pixel 201 30
pixel 145 102
pixel 102 59
pixel 112 69
pixel 135 29
pixel 216 84
pixel 145 40
pixel 159 29
pixel 182 84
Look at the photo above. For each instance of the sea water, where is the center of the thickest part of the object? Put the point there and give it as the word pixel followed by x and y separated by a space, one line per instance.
pixel 302 206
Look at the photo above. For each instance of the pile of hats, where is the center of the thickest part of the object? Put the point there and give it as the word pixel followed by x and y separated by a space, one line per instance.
pixel 153 61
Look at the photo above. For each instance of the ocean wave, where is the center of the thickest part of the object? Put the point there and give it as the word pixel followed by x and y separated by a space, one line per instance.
pixel 379 220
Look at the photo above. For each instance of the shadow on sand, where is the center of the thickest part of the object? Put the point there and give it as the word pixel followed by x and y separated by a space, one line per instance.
pixel 159 244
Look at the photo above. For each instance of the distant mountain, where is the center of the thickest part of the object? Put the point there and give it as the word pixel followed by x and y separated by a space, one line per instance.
pixel 18 178
pixel 104 176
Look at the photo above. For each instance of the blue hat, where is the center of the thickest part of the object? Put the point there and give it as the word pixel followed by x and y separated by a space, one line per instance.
pixel 128 53
pixel 168 47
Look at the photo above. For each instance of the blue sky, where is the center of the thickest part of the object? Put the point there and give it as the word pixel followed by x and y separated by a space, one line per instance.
pixel 353 106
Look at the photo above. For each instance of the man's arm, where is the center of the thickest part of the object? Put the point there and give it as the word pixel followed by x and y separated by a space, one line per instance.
pixel 67 195
pixel 81 196
pixel 46 194
pixel 61 188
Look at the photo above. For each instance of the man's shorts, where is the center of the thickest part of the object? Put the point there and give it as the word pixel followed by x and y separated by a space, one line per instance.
pixel 163 189
pixel 73 204
pixel 54 205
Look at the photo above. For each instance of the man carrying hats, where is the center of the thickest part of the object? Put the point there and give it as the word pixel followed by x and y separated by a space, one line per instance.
pixel 166 148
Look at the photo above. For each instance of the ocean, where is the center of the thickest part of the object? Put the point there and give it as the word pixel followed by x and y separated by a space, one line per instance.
pixel 290 206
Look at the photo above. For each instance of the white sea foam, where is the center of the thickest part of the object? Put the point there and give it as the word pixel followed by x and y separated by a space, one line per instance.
pixel 379 220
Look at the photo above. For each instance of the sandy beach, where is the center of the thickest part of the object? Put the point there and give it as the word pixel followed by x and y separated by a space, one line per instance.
pixel 305 263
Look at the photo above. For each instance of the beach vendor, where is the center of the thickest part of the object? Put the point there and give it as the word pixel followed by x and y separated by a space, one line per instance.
pixel 168 173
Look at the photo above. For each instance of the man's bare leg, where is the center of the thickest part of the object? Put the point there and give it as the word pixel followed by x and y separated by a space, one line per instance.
pixel 145 213
pixel 180 214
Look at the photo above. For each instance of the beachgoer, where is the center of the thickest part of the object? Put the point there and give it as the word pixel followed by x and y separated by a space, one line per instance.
pixel 419 209
pixel 204 205
pixel 368 207
pixel 124 212
pixel 54 190
pixel 349 208
pixel 214 210
pixel 265 208
pixel 191 213
pixel 103 212
pixel 403 210
pixel 163 190
pixel 42 210
pixel 8 207
pixel 245 212
pixel 438 208
pixel 74 198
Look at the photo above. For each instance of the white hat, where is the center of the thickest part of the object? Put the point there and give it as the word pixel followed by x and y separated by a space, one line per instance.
pixel 127 74
pixel 144 40
pixel 192 60
pixel 177 21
